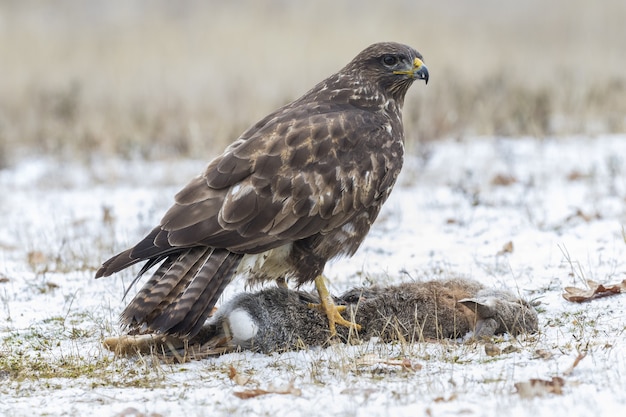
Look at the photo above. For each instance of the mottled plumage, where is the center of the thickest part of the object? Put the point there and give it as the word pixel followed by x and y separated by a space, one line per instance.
pixel 298 188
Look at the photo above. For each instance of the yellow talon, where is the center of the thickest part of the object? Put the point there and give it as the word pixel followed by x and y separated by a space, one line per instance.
pixel 327 305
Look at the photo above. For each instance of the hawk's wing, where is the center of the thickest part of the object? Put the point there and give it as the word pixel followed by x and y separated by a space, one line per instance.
pixel 289 177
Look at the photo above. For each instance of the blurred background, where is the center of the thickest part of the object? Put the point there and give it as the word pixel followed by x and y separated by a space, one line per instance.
pixel 160 79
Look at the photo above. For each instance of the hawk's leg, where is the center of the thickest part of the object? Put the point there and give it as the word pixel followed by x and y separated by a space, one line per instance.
pixel 332 311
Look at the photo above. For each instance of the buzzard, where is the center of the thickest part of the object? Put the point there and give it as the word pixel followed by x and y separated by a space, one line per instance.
pixel 298 188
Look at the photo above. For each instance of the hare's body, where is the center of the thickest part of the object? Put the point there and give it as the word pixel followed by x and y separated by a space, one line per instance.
pixel 281 319
pixel 277 319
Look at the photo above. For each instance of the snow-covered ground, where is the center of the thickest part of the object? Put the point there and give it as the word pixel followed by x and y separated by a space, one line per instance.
pixel 560 202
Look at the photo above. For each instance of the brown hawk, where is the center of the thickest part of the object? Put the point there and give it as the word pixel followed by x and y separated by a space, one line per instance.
pixel 300 187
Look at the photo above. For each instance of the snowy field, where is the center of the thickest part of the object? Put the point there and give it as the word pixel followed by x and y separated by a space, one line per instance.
pixel 534 216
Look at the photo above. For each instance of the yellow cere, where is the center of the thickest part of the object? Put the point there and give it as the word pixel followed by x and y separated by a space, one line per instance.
pixel 417 64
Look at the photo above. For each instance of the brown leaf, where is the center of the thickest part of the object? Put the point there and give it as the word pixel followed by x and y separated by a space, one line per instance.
pixel 579 214
pixel 503 180
pixel 251 393
pixel 543 353
pixel 236 377
pixel 539 387
pixel 506 248
pixel 492 350
pixel 51 285
pixel 576 175
pixel 510 349
pixel 445 400
pixel 595 290
pixel 579 358
pixel 404 363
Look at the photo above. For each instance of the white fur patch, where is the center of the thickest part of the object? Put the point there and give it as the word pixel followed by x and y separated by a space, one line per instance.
pixel 241 325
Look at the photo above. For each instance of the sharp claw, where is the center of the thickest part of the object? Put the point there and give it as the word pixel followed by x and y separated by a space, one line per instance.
pixel 332 311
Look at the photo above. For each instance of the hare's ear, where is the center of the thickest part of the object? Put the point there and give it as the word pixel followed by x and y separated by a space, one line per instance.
pixel 484 308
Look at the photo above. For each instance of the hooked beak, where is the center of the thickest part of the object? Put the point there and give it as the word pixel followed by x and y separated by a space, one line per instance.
pixel 419 71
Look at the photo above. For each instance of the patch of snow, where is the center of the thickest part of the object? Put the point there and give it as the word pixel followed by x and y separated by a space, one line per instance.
pixel 563 208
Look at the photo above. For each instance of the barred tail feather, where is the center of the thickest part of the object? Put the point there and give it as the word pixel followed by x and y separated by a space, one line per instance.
pixel 145 301
pixel 182 291
pixel 205 290
pixel 162 288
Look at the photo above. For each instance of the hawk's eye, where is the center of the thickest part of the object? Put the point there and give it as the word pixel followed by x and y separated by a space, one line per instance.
pixel 390 60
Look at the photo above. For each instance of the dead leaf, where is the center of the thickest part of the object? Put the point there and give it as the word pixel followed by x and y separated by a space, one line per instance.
pixel 510 349
pixel 543 353
pixel 579 358
pixel 503 180
pixel 492 350
pixel 445 400
pixel 576 175
pixel 506 248
pixel 3 278
pixel 539 387
pixel 236 377
pixel 404 363
pixel 51 285
pixel 251 393
pixel 579 214
pixel 595 290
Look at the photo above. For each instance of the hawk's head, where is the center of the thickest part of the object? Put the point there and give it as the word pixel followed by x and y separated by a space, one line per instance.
pixel 392 66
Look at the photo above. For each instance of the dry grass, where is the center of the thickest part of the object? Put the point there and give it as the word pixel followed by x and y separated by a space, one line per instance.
pixel 155 79
pixel 53 315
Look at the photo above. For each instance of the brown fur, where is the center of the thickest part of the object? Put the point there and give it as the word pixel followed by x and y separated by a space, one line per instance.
pixel 411 312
